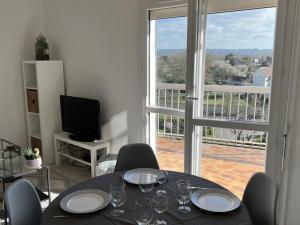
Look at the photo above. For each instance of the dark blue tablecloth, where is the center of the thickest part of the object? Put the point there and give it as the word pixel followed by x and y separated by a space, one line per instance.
pixel 196 217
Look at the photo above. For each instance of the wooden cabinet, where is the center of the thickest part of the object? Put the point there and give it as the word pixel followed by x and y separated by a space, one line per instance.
pixel 32 101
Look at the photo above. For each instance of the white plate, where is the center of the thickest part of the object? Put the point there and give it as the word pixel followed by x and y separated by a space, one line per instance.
pixel 85 201
pixel 215 200
pixel 133 176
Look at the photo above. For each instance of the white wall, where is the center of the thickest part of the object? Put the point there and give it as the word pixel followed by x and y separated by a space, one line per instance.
pixel 98 42
pixel 291 184
pixel 20 23
pixel 286 64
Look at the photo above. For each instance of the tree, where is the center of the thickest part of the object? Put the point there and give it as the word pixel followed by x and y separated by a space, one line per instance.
pixel 243 69
pixel 233 60
pixel 269 60
pixel 209 75
pixel 171 69
pixel 229 56
pixel 224 71
pixel 247 60
pixel 264 64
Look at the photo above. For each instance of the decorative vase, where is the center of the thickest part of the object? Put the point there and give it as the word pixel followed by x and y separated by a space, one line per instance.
pixel 33 163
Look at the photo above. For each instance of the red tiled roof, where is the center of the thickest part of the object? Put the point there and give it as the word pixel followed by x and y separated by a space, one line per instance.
pixel 267 71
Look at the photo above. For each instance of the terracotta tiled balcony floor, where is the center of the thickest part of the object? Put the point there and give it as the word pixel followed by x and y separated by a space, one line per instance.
pixel 228 166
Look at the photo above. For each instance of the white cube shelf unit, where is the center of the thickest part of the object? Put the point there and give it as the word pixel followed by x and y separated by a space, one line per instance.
pixel 43 84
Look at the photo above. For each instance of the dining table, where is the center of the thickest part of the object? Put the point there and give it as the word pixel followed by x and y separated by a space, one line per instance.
pixel 54 215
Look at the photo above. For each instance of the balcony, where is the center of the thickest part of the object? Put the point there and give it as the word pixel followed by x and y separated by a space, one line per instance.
pixel 229 156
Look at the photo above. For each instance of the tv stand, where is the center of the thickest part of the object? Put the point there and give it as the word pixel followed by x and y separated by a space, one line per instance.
pixel 81 138
pixel 93 147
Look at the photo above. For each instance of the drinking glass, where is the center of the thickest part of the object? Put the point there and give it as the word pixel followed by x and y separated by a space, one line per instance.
pixel 160 205
pixel 146 183
pixel 118 198
pixel 161 180
pixel 183 195
pixel 143 213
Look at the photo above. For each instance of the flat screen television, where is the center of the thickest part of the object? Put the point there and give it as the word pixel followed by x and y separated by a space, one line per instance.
pixel 81 118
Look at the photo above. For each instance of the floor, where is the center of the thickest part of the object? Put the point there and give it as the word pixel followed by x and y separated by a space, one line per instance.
pixel 228 166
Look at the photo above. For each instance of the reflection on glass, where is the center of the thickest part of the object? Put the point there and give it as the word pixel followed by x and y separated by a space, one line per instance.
pixel 146 182
pixel 118 198
pixel 143 213
pixel 160 205
pixel 183 195
pixel 161 180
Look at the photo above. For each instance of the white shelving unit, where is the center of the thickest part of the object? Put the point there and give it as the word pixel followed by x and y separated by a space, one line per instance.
pixel 92 147
pixel 43 84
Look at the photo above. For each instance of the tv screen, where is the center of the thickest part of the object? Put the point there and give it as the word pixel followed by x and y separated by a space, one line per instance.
pixel 81 118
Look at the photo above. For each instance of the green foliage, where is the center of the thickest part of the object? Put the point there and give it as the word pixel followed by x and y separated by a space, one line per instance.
pixel 41 42
pixel 233 60
pixel 224 71
pixel 247 60
pixel 31 154
pixel 261 138
pixel 172 68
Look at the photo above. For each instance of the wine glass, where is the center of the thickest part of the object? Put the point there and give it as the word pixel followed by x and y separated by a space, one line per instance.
pixel 118 198
pixel 161 179
pixel 160 205
pixel 146 183
pixel 183 195
pixel 143 213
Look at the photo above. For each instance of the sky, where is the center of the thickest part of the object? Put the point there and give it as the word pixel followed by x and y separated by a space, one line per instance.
pixel 246 29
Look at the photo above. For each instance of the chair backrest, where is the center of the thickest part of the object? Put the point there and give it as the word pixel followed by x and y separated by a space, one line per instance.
pixel 22 203
pixel 134 156
pixel 260 198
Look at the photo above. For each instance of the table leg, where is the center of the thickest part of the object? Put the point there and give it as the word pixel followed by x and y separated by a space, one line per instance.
pixel 108 148
pixel 3 203
pixel 57 156
pixel 10 162
pixel 93 162
pixel 3 162
pixel 48 183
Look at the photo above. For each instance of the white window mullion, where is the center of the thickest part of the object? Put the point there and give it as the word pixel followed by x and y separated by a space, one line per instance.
pixel 197 13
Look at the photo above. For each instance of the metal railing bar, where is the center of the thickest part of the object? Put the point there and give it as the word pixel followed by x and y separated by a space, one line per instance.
pixel 238 106
pixel 207 97
pixel 230 102
pixel 246 111
pixel 255 102
pixel 263 108
pixel 243 125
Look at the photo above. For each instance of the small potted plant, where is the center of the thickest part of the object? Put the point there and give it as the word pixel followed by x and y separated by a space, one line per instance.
pixel 32 158
pixel 41 48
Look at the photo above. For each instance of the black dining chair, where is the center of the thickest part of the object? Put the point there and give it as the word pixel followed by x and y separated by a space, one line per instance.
pixel 22 203
pixel 260 198
pixel 134 156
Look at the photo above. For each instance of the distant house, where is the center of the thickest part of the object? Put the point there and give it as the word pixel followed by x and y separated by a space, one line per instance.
pixel 256 61
pixel 262 77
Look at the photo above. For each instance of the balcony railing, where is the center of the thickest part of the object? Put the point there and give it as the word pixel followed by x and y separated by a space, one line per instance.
pixel 242 103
